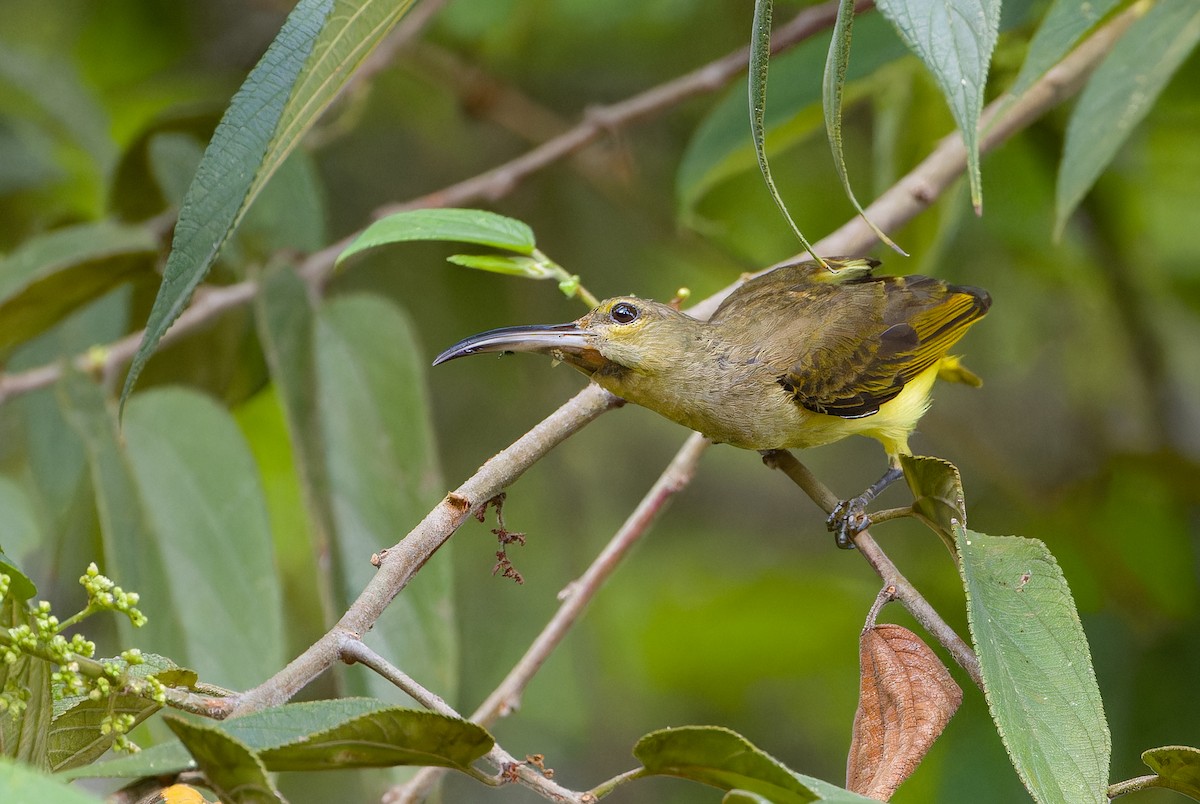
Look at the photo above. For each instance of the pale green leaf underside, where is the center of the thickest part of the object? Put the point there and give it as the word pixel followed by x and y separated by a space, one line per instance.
pixel 1061 28
pixel 955 40
pixel 1177 766
pixel 454 225
pixel 1036 666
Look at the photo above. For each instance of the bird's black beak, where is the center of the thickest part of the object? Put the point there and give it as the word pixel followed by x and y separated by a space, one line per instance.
pixel 569 343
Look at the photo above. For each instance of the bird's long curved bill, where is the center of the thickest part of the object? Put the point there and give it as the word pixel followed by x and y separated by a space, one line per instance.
pixel 566 342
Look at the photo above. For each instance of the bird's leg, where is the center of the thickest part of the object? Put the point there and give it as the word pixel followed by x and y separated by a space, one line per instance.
pixel 849 517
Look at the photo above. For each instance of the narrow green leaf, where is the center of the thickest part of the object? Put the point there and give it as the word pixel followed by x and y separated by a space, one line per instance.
pixel 20 783
pixel 1178 768
pixel 231 172
pixel 722 758
pixel 53 274
pixel 760 55
pixel 231 769
pixel 1037 670
pixel 497 264
pixel 834 84
pixel 202 497
pixel 385 738
pixel 937 493
pixel 720 147
pixel 955 39
pixel 1063 25
pixel 455 225
pixel 1120 93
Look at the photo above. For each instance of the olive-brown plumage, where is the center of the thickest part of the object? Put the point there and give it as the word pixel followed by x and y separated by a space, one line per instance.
pixel 798 357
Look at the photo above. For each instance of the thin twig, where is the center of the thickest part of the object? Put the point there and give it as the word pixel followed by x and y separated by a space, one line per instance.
pixel 506 695
pixel 905 592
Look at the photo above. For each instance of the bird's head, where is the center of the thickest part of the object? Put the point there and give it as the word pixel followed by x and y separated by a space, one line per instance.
pixel 621 333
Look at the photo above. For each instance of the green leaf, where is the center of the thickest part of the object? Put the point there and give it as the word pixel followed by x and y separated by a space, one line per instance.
pixel 202 498
pixel 497 264
pixel 836 65
pixel 359 422
pixel 937 493
pixel 319 47
pixel 455 225
pixel 1063 25
pixel 164 759
pixel 724 759
pixel 385 738
pixel 744 797
pixel 1120 93
pixel 955 39
pixel 53 274
pixel 1037 670
pixel 721 146
pixel 20 588
pixel 760 55
pixel 19 783
pixel 231 769
pixel 1178 768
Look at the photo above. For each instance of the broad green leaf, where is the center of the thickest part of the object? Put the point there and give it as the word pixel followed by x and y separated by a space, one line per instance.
pixel 53 274
pixel 163 759
pixel 1037 670
pixel 955 39
pixel 232 170
pixel 133 555
pixel 744 797
pixel 937 493
pixel 231 769
pixel 20 783
pixel 722 146
pixel 202 498
pixel 497 264
pixel 760 56
pixel 455 225
pixel 1063 25
pixel 358 421
pixel 24 737
pixel 1178 768
pixel 383 739
pixel 1120 93
pixel 722 758
pixel 20 588
pixel 833 86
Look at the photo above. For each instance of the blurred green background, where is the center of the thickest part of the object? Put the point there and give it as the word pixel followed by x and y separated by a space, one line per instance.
pixel 736 610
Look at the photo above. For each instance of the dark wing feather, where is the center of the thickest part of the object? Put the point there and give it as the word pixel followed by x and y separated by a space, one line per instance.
pixel 845 348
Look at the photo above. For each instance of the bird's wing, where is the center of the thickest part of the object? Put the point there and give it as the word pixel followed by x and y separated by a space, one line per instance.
pixel 848 347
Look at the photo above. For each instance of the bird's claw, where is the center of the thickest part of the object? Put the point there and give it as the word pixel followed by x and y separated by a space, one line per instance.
pixel 849 518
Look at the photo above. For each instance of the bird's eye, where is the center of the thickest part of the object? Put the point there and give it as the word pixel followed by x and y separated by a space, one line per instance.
pixel 623 313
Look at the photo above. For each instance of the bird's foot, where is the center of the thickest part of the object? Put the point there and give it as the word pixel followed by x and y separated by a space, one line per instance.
pixel 849 518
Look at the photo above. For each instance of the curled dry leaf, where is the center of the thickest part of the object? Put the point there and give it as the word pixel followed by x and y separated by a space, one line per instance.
pixel 906 698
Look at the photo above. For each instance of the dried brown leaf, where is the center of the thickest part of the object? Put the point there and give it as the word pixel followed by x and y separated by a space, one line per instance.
pixel 906 698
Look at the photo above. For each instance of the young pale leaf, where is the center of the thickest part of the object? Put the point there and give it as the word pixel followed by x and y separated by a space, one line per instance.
pixel 1037 670
pixel 1061 28
pixel 230 768
pixel 455 225
pixel 234 166
pixel 1120 93
pixel 727 760
pixel 834 84
pixel 937 493
pixel 955 39
pixel 497 264
pixel 1178 768
pixel 760 56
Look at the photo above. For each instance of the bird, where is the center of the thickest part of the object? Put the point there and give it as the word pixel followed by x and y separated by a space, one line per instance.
pixel 797 357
